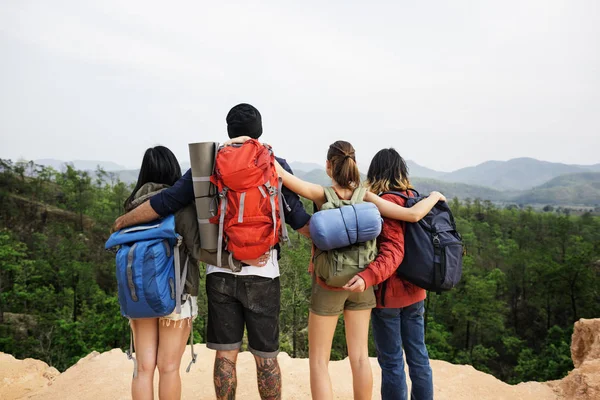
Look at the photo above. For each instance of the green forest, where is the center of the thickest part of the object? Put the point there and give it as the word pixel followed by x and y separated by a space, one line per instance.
pixel 528 276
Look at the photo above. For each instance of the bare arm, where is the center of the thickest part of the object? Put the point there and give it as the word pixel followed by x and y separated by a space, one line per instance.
pixel 305 189
pixel 412 214
pixel 305 230
pixel 139 215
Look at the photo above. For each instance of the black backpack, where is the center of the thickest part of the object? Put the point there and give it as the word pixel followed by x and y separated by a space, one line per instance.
pixel 433 249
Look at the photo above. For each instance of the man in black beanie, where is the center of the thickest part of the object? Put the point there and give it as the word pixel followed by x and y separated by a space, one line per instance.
pixel 244 120
pixel 249 298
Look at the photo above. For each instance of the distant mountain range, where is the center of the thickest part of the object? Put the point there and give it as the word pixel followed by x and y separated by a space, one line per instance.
pixel 84 165
pixel 515 174
pixel 520 180
pixel 572 189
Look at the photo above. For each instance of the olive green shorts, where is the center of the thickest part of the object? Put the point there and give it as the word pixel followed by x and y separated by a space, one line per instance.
pixel 332 302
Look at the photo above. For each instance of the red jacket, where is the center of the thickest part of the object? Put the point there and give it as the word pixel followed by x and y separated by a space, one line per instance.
pixel 392 291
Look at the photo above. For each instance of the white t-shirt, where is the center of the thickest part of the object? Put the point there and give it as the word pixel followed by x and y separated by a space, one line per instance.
pixel 270 270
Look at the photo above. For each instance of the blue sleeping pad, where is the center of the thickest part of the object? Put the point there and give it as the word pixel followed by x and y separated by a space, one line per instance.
pixel 345 226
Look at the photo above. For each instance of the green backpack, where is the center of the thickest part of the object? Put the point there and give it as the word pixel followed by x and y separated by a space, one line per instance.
pixel 336 267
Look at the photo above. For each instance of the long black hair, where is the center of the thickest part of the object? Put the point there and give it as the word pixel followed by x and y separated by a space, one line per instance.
pixel 159 165
pixel 388 171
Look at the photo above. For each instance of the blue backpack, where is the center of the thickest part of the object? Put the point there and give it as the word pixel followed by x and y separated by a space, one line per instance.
pixel 433 249
pixel 149 279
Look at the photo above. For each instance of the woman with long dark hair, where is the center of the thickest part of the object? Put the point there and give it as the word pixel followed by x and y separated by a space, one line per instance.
pixel 160 342
pixel 397 320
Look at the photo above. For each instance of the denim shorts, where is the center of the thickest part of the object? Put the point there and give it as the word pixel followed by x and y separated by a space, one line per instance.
pixel 237 301
pixel 189 309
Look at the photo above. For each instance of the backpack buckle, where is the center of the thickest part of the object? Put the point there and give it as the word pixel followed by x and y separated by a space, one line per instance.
pixel 436 240
pixel 272 189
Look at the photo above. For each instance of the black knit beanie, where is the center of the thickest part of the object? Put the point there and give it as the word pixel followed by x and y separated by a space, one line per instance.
pixel 244 120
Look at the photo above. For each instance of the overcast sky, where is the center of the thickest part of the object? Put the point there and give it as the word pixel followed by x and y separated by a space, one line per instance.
pixel 447 83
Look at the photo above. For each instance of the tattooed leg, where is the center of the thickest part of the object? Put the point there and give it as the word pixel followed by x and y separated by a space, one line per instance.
pixel 225 378
pixel 269 378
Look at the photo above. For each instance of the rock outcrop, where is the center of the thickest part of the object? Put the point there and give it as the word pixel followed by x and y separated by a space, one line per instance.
pixel 583 383
pixel 20 378
pixel 108 375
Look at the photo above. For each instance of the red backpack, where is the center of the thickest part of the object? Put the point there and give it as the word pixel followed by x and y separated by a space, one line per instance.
pixel 250 214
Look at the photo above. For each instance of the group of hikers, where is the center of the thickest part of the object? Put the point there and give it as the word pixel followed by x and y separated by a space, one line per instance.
pixel 245 294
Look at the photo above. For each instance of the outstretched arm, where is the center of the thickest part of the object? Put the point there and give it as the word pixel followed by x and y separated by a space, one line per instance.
pixel 412 214
pixel 305 189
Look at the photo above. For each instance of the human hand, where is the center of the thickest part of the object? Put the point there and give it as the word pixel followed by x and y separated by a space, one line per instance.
pixel 260 261
pixel 237 140
pixel 356 284
pixel 117 225
pixel 440 196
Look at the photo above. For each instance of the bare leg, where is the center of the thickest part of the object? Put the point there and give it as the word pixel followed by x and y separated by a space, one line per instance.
pixel 171 345
pixel 357 339
pixel 225 378
pixel 268 375
pixel 145 339
pixel 320 337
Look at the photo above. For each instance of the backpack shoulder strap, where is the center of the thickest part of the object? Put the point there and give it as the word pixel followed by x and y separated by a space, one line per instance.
pixel 404 196
pixel 358 195
pixel 332 196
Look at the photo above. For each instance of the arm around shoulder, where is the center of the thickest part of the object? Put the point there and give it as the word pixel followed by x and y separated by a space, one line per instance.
pixel 139 215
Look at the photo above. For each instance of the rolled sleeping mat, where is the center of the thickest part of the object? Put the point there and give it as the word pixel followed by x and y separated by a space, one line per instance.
pixel 202 159
pixel 345 226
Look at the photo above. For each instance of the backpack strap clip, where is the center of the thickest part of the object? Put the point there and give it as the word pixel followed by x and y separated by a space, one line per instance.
pixel 130 351
pixel 272 193
pixel 284 232
pixel 194 355
pixel 223 196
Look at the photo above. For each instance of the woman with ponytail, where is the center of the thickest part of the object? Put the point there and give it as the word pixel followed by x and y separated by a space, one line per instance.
pixel 328 303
